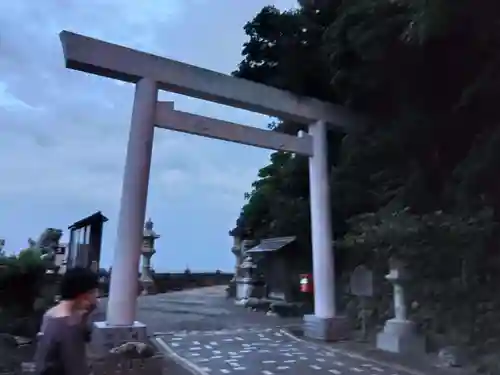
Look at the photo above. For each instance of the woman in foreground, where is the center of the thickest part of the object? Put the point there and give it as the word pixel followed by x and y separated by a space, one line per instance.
pixel 64 333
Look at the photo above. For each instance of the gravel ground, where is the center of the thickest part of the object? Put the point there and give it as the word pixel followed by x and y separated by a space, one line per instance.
pixel 11 357
pixel 203 309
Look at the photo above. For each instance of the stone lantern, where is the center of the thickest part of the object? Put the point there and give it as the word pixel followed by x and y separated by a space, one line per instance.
pixel 148 250
pixel 245 275
pixel 400 334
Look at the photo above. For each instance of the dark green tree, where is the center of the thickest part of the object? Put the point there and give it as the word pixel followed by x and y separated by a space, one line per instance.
pixel 426 73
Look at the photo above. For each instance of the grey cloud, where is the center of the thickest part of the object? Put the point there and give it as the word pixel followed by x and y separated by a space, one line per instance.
pixel 63 133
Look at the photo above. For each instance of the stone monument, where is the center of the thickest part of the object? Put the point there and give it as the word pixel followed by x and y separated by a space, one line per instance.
pixel 399 334
pixel 2 244
pixel 361 285
pixel 149 237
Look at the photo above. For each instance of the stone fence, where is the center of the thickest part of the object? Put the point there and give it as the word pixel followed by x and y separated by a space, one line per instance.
pixel 166 282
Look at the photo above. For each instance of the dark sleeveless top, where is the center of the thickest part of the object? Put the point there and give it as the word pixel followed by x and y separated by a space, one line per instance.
pixel 61 347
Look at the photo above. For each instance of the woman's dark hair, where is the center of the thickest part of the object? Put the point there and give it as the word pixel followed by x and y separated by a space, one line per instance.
pixel 77 281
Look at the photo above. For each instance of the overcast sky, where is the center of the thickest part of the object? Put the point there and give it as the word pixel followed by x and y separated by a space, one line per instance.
pixel 63 133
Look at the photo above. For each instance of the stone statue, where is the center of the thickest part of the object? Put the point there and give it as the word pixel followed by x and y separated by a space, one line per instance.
pixel 2 244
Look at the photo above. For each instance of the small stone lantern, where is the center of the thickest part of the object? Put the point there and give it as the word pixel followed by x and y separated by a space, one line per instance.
pixel 399 334
pixel 148 250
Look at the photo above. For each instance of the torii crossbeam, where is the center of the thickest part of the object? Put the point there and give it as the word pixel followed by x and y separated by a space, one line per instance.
pixel 169 118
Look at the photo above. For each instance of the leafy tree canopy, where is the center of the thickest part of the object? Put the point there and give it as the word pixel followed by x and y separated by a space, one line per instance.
pixel 424 72
pixel 420 179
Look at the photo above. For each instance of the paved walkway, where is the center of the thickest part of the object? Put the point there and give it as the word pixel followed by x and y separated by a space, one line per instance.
pixel 262 352
pixel 202 309
pixel 209 335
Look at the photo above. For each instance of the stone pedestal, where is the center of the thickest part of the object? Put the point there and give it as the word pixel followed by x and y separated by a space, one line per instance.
pixel 146 279
pixel 244 288
pixel 326 329
pixel 399 334
pixel 245 281
pixel 148 287
pixel 400 337
pixel 106 337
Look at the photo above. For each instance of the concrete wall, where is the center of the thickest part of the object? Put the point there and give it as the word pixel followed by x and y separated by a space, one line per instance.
pixel 166 282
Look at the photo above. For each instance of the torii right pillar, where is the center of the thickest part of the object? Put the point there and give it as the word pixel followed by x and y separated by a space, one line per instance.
pixel 325 324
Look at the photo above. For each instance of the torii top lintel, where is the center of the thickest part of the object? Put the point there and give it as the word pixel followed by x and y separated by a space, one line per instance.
pixel 114 61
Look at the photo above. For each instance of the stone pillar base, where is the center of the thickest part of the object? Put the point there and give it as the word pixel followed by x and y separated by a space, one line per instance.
pixel 106 337
pixel 244 287
pixel 326 329
pixel 400 336
pixel 148 288
pixel 241 302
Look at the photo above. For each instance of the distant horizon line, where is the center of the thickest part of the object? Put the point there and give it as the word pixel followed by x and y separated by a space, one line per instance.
pixel 193 270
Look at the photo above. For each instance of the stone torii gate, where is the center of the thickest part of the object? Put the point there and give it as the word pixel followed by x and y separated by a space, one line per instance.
pixel 151 73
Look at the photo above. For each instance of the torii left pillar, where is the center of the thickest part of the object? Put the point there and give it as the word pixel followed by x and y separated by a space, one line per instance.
pixel 120 325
